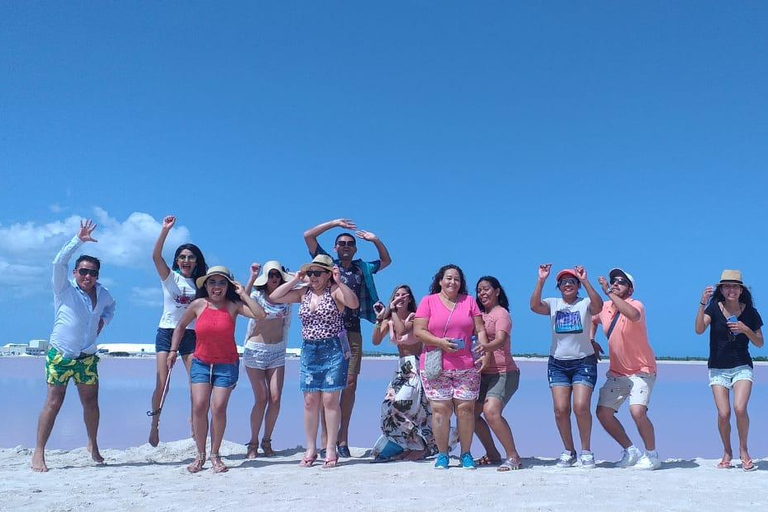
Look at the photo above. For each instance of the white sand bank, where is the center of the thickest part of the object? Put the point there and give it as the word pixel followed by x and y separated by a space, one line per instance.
pixel 146 478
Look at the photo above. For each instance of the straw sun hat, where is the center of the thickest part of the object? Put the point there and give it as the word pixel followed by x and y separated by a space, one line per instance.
pixel 218 270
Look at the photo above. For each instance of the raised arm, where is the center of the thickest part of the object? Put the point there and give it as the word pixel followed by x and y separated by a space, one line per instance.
pixel 702 319
pixel 255 267
pixel 379 332
pixel 285 293
pixel 624 307
pixel 248 307
pixel 537 305
pixel 61 261
pixel 157 252
pixel 310 235
pixel 595 301
pixel 383 252
pixel 343 294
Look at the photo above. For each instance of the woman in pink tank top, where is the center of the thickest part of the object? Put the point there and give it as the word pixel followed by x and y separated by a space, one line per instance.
pixel 215 364
pixel 324 360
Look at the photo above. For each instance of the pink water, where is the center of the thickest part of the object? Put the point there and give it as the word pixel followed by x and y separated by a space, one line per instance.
pixel 682 409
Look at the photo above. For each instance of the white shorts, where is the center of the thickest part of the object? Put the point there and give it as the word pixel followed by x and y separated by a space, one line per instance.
pixel 618 388
pixel 264 356
pixel 726 377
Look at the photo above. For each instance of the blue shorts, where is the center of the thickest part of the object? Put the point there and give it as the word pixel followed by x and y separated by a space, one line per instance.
pixel 163 341
pixel 323 367
pixel 575 371
pixel 220 375
pixel 727 377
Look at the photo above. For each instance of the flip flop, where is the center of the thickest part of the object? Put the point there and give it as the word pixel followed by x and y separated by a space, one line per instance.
pixel 510 465
pixel 307 462
pixel 485 461
pixel 331 463
pixel 724 464
pixel 748 465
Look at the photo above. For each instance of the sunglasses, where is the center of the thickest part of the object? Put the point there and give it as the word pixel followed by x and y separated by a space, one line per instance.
pixel 620 281
pixel 346 243
pixel 316 273
pixel 184 257
pixel 216 282
pixel 569 280
pixel 274 274
pixel 88 271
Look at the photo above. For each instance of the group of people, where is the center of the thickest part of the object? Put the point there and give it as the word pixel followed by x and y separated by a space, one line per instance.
pixel 455 353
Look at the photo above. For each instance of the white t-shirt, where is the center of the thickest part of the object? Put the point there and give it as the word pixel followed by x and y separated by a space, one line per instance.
pixel 178 293
pixel 570 328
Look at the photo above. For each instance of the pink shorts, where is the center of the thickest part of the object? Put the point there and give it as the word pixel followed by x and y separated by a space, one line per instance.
pixel 458 384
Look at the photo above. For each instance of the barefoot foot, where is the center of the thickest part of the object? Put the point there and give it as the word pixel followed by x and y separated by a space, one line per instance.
pixel 38 462
pixel 95 455
pixel 154 436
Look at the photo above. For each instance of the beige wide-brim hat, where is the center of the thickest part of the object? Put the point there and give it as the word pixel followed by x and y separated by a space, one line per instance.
pixel 269 267
pixel 218 270
pixel 731 277
pixel 321 260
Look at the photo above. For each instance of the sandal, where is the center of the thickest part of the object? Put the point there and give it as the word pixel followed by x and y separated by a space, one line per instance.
pixel 724 464
pixel 331 463
pixel 307 462
pixel 216 465
pixel 197 465
pixel 510 464
pixel 748 465
pixel 486 461
pixel 266 447
pixel 253 450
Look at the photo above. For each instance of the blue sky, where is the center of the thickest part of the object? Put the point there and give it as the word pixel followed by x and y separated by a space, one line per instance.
pixel 496 136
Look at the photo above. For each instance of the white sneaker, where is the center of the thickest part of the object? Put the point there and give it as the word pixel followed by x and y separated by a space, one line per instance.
pixel 649 461
pixel 629 457
pixel 587 460
pixel 567 459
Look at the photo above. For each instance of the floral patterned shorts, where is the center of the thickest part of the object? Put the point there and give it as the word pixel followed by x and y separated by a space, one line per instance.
pixel 458 384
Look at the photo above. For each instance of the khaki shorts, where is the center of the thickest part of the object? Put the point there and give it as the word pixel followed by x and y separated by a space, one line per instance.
pixel 59 369
pixel 356 348
pixel 618 388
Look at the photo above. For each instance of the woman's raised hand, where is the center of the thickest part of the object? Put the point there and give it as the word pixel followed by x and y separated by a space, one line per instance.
pixel 708 292
pixel 168 222
pixel 544 271
pixel 255 267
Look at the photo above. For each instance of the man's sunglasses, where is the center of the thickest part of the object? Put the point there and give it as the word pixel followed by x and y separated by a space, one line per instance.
pixel 88 271
pixel 620 280
pixel 346 243
pixel 316 273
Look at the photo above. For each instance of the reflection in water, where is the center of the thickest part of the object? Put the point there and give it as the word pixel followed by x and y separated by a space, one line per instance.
pixel 682 409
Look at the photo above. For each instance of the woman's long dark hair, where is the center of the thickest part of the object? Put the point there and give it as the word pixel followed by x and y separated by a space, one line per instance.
pixel 411 306
pixel 202 292
pixel 435 286
pixel 200 267
pixel 745 297
pixel 496 285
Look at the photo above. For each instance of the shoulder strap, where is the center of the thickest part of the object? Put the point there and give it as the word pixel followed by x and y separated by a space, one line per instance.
pixel 613 324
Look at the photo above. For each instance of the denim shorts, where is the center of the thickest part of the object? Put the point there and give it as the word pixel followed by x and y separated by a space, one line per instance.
pixel 322 367
pixel 562 372
pixel 163 341
pixel 726 377
pixel 219 375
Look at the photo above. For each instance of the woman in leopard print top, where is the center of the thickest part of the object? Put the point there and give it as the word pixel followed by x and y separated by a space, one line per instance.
pixel 323 366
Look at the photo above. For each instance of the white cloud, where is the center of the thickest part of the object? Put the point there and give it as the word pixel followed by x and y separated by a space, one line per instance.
pixel 27 249
pixel 149 296
pixel 57 208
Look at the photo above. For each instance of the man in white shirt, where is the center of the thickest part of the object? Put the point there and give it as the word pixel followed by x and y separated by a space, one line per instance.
pixel 82 308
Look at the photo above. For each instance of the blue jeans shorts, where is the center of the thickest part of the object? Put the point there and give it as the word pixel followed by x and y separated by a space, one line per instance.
pixel 575 371
pixel 163 341
pixel 726 377
pixel 323 367
pixel 219 375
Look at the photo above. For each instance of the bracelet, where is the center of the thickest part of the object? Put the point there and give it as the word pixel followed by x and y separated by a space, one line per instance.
pixel 702 304
pixel 173 351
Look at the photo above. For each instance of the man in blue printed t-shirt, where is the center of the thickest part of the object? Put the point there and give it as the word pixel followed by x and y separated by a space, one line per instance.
pixel 358 275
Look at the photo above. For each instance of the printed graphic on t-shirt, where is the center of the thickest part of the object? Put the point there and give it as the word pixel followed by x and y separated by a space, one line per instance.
pixel 568 322
pixel 183 300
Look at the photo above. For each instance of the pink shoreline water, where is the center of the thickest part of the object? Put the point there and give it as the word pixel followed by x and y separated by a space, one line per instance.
pixel 682 409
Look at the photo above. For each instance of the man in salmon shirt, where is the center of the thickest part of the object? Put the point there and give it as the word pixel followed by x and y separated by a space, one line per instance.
pixel 632 370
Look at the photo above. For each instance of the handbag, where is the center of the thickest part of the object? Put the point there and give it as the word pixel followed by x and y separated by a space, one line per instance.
pixel 433 363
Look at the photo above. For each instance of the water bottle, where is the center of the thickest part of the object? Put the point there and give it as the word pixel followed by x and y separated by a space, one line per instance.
pixel 473 346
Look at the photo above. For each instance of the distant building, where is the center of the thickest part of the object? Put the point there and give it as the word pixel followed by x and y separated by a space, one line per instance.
pixel 14 349
pixel 37 347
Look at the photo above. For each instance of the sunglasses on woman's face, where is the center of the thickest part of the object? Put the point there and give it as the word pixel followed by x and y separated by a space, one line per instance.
pixel 316 273
pixel 86 271
pixel 185 257
pixel 216 282
pixel 275 274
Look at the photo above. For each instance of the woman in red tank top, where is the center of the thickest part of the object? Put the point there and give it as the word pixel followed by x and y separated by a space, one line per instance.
pixel 215 364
